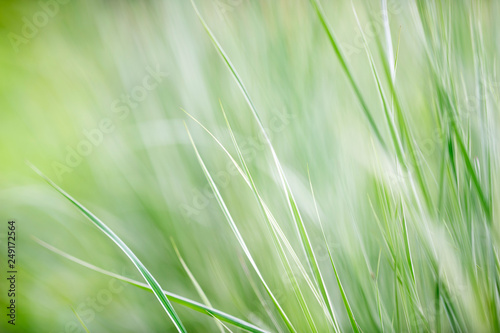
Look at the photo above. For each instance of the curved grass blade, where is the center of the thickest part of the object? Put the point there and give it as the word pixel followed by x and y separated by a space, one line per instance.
pixel 155 286
pixel 197 286
pixel 450 109
pixel 404 131
pixel 287 191
pixel 272 219
pixel 352 320
pixel 259 295
pixel 80 320
pixel 409 260
pixel 171 296
pixel 388 39
pixel 392 127
pixel 268 217
pixel 312 260
pixel 238 235
pixel 275 226
pixel 347 70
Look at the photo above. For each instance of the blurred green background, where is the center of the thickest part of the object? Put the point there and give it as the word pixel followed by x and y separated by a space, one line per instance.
pixel 92 94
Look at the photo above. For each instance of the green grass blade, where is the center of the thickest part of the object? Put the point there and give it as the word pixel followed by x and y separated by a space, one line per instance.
pixel 437 305
pixel 352 320
pixel 171 296
pixel 379 305
pixel 407 246
pixel 291 201
pixel 485 203
pixel 389 119
pixel 155 286
pixel 272 220
pixel 238 235
pixel 449 109
pixel 445 100
pixel 292 204
pixel 312 259
pixel 388 40
pixel 271 225
pixel 197 286
pixel 347 70
pixel 233 71
pixel 80 320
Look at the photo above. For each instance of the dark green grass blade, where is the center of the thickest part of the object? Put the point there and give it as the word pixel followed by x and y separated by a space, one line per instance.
pixel 437 306
pixel 347 70
pixel 392 127
pixel 155 286
pixel 445 100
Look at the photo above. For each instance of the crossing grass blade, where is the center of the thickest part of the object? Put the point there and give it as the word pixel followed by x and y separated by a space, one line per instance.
pixel 400 232
pixel 272 226
pixel 347 70
pixel 197 286
pixel 286 188
pixel 277 233
pixel 387 110
pixel 80 320
pixel 312 260
pixel 447 105
pixel 352 320
pixel 269 215
pixel 227 318
pixel 239 237
pixel 155 286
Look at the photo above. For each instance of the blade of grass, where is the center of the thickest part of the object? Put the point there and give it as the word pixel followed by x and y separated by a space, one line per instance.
pixel 171 296
pixel 312 260
pixel 379 306
pixel 407 245
pixel 286 188
pixel 155 286
pixel 197 286
pixel 265 305
pixel 392 127
pixel 404 131
pixel 80 320
pixel 268 217
pixel 347 70
pixel 449 110
pixel 275 226
pixel 437 306
pixel 352 320
pixel 238 235
pixel 388 38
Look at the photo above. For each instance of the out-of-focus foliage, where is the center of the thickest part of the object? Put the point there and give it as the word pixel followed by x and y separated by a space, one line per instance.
pixel 94 93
